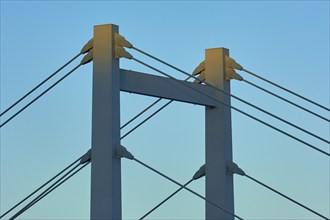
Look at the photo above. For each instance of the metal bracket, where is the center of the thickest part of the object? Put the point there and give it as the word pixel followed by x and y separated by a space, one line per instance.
pixel 231 65
pixel 121 41
pixel 87 58
pixel 199 70
pixel 232 168
pixel 121 52
pixel 87 47
pixel 86 157
pixel 200 173
pixel 123 152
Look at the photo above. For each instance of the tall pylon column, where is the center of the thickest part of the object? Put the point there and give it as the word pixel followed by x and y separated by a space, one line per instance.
pixel 218 139
pixel 106 167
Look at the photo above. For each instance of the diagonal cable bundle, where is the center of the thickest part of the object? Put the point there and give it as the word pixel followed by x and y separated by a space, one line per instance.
pixel 122 152
pixel 86 59
pixel 182 186
pixel 286 100
pixel 287 90
pixel 232 107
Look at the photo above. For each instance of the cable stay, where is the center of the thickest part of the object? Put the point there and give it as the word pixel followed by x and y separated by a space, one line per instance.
pixel 287 90
pixel 231 95
pixel 232 107
pixel 42 186
pixel 200 173
pixel 40 84
pixel 234 169
pixel 122 152
pixel 286 100
pixel 84 161
pixel 85 60
pixel 166 199
pixel 84 50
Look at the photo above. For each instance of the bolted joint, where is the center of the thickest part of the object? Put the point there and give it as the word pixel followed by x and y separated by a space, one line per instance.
pixel 121 152
pixel 232 168
pixel 200 173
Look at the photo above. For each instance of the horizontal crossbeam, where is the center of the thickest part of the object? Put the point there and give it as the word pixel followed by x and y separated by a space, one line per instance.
pixel 162 87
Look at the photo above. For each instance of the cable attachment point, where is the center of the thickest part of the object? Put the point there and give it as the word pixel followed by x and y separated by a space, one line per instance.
pixel 231 65
pixel 232 168
pixel 86 157
pixel 200 173
pixel 87 58
pixel 87 47
pixel 123 152
pixel 199 70
pixel 121 41
pixel 121 52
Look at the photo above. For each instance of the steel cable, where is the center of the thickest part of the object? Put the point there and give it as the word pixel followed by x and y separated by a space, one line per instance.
pixel 40 84
pixel 191 191
pixel 42 186
pixel 44 92
pixel 287 197
pixel 241 100
pixel 287 90
pixel 232 107
pixel 51 188
pixel 166 199
pixel 286 100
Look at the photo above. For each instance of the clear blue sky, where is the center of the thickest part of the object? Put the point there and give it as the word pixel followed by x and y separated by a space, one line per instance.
pixel 285 41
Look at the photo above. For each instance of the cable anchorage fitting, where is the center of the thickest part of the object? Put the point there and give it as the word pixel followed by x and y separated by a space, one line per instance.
pixel 232 168
pixel 230 73
pixel 199 70
pixel 87 58
pixel 122 152
pixel 87 47
pixel 120 43
pixel 86 157
pixel 231 65
pixel 200 173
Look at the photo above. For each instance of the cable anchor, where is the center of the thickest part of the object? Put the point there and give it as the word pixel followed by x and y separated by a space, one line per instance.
pixel 86 157
pixel 122 152
pixel 233 168
pixel 87 58
pixel 199 173
pixel 231 65
pixel 199 70
pixel 87 47
pixel 120 43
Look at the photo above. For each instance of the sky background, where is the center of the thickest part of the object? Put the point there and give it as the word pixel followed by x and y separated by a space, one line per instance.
pixel 284 41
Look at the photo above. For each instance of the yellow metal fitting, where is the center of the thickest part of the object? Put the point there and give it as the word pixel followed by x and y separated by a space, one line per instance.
pixel 87 58
pixel 121 52
pixel 199 68
pixel 87 47
pixel 231 63
pixel 121 41
pixel 200 78
pixel 231 74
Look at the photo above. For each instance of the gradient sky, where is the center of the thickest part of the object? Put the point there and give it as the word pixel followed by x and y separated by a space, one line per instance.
pixel 284 41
